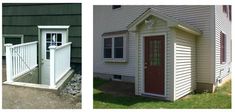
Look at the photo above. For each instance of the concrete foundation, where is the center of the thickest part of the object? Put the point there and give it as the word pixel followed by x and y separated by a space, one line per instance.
pixel 205 87
pixel 110 77
pixel 29 77
pixel 224 80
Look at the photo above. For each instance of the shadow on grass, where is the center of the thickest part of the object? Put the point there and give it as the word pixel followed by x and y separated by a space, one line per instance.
pixel 118 93
pixel 123 100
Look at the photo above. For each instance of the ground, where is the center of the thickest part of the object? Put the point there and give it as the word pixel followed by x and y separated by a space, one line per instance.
pixel 113 94
pixel 28 98
pixel 15 97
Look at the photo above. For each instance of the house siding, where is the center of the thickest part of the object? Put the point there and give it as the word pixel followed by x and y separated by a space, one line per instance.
pixel 24 18
pixel 119 19
pixel 185 74
pixel 223 24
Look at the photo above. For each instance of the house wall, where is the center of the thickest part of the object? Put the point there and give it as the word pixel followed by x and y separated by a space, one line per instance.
pixel 185 71
pixel 106 20
pixel 24 18
pixel 222 23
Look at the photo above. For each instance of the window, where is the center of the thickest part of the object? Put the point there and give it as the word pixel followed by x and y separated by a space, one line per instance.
pixel 11 38
pixel 118 47
pixel 52 39
pixel 117 77
pixel 116 6
pixel 114 48
pixel 225 10
pixel 108 48
pixel 230 12
pixel 222 48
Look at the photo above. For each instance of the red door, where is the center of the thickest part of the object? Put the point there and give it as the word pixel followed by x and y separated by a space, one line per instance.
pixel 154 64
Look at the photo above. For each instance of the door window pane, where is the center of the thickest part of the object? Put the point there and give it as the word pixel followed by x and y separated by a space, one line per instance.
pixel 48 37
pixel 59 37
pixel 52 39
pixel 47 54
pixel 154 55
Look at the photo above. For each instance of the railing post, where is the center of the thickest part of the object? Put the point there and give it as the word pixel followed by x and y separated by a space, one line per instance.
pixel 52 66
pixel 9 63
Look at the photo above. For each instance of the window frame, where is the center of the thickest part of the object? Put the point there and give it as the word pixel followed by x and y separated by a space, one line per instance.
pixel 21 36
pixel 113 59
pixel 223 50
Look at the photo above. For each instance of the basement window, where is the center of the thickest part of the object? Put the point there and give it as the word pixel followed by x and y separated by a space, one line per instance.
pixel 117 77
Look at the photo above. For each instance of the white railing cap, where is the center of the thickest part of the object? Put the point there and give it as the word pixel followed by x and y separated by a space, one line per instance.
pixel 8 44
pixel 52 47
pixel 24 44
pixel 59 47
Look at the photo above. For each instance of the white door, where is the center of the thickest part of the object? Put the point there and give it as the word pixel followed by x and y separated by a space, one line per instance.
pixel 48 38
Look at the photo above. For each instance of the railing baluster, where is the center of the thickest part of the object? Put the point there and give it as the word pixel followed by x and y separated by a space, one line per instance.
pixel 17 62
pixel 21 58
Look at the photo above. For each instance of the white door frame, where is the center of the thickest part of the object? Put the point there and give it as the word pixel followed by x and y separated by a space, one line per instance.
pixel 143 60
pixel 46 27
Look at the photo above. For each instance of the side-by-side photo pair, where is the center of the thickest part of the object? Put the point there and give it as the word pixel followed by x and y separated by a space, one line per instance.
pixel 41 55
pixel 144 56
pixel 162 56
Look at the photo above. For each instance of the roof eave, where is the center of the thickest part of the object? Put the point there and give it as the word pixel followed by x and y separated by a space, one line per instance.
pixel 189 30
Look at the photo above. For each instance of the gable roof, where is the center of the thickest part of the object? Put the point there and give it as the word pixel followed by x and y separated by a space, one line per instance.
pixel 171 22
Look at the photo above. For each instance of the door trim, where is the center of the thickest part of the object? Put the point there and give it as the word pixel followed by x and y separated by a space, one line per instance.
pixel 143 36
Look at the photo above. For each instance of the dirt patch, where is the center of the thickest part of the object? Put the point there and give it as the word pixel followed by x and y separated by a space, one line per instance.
pixel 15 97
pixel 118 88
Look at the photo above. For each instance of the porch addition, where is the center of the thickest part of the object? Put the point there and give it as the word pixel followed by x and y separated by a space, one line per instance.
pixel 50 58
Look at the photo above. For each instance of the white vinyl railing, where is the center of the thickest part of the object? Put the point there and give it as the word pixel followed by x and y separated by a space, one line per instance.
pixel 20 59
pixel 59 62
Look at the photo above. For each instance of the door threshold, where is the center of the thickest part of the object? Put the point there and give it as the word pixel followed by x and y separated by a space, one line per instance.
pixel 150 95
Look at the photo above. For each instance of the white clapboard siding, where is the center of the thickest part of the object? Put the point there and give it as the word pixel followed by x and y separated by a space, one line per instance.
pixel 223 24
pixel 107 20
pixel 185 77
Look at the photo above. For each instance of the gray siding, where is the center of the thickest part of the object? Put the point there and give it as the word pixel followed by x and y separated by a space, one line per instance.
pixel 24 18
pixel 185 74
pixel 223 24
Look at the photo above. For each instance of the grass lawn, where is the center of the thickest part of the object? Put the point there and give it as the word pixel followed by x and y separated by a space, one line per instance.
pixel 220 99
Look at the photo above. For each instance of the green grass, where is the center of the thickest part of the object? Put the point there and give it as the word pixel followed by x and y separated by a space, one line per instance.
pixel 220 99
